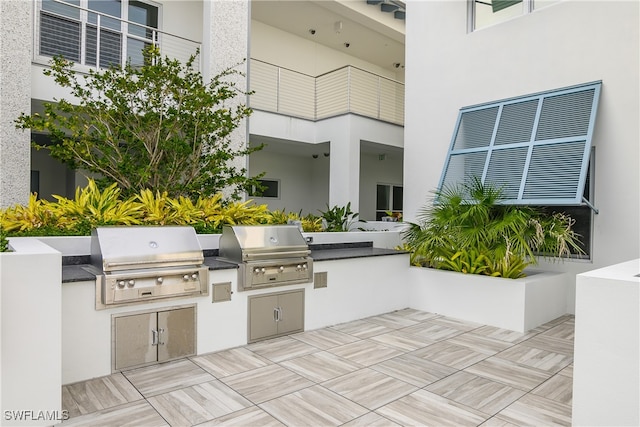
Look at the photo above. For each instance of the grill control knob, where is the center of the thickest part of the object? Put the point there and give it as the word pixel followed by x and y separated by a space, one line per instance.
pixel 194 276
pixel 298 267
pixel 131 283
pixel 159 280
pixel 121 284
pixel 304 266
pixel 185 277
pixel 281 268
pixel 262 270
pixel 257 270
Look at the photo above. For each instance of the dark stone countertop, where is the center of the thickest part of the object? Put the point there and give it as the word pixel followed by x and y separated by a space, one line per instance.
pixel 78 269
pixel 337 254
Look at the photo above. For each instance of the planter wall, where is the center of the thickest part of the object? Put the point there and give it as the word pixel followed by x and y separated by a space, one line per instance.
pixel 30 334
pixel 515 304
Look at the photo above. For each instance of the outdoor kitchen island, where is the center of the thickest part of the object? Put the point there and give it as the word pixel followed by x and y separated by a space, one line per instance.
pixel 351 280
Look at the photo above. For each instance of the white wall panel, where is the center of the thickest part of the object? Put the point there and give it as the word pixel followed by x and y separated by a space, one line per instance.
pixel 303 55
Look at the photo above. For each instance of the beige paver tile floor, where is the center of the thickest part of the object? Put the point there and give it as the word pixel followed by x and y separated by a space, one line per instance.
pixel 401 368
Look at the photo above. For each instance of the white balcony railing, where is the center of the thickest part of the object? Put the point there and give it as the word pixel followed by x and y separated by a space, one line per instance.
pixel 95 39
pixel 345 90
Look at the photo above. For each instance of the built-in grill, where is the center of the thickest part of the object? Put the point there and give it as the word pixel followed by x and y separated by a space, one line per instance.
pixel 146 263
pixel 269 255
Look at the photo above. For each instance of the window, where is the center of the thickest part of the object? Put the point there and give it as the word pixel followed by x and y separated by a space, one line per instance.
pixel 271 189
pixel 388 200
pixel 97 32
pixel 60 29
pixel 488 12
pixel 536 148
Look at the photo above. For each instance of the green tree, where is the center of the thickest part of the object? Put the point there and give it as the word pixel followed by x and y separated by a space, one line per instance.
pixel 158 126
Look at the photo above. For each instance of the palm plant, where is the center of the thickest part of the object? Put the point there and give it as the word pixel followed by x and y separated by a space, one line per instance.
pixel 466 229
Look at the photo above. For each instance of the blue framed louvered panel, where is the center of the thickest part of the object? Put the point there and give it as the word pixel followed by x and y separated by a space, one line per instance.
pixel 535 148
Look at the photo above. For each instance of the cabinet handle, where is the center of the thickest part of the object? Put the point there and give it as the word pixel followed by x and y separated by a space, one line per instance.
pixel 154 337
pixel 160 332
pixel 276 314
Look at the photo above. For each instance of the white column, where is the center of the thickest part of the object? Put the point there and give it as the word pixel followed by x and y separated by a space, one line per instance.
pixel 15 98
pixel 344 173
pixel 225 44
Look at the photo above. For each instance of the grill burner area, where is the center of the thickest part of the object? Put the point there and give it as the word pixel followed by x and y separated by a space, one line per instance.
pixel 268 255
pixel 146 263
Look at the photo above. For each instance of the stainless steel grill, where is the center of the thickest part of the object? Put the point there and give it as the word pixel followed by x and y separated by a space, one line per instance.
pixel 270 255
pixel 136 264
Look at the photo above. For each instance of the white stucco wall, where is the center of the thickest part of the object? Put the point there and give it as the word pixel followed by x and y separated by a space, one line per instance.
pixel 304 181
pixel 304 55
pixel 567 43
pixel 183 18
pixel 336 180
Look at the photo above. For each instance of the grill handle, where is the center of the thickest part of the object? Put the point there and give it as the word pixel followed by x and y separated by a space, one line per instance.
pixel 270 254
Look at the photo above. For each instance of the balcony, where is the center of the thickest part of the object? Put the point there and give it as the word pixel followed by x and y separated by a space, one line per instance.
pixel 96 39
pixel 92 38
pixel 344 90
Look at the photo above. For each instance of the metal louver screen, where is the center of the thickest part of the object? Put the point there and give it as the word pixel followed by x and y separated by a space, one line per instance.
pixel 463 167
pixel 534 148
pixel 476 128
pixel 565 115
pixel 554 171
pixel 506 169
pixel 516 122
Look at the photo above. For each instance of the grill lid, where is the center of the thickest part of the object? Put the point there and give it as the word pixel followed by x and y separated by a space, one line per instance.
pixel 137 247
pixel 251 242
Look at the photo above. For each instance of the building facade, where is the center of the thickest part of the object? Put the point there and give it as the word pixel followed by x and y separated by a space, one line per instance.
pixel 327 106
pixel 539 46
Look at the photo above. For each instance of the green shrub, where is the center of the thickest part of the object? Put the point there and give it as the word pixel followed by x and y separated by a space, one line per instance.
pixel 92 207
pixel 338 218
pixel 310 223
pixel 4 243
